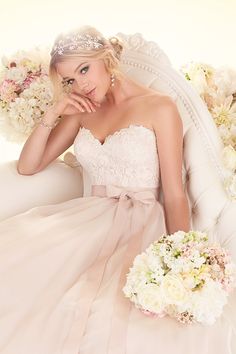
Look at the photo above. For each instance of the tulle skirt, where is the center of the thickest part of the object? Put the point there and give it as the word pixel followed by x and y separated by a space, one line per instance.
pixel 62 270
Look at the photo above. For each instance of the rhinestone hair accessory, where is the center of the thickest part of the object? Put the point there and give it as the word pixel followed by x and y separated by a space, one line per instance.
pixel 76 41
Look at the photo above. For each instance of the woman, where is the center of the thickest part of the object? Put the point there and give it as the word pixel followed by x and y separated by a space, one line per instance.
pixel 64 265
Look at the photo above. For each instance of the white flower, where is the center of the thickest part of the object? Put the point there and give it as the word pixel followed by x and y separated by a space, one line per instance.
pixel 150 298
pixel 229 157
pixel 225 133
pixel 207 303
pixel 177 237
pixel 34 94
pixel 173 289
pixel 225 78
pixel 199 74
pixel 186 287
pixel 189 281
pixel 17 74
pixel 154 263
pixel 230 185
pixel 225 112
pixel 233 129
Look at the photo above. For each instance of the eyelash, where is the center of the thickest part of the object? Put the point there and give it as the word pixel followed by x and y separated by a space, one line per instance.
pixel 68 81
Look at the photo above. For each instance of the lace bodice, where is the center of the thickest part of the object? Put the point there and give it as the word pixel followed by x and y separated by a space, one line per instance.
pixel 127 157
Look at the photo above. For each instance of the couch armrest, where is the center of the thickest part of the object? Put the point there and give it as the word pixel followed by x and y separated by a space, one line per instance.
pixel 56 183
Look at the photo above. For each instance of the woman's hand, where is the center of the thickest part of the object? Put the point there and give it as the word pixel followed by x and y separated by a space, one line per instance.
pixel 72 103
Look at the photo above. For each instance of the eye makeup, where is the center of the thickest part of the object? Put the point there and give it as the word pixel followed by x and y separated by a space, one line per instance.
pixel 67 82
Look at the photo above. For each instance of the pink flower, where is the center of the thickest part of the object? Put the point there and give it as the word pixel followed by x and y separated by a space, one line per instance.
pixel 27 81
pixel 8 90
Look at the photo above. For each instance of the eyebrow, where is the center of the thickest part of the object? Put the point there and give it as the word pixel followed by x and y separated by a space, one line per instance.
pixel 64 78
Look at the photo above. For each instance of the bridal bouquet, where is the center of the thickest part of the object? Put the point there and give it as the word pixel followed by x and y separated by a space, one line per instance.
pixel 183 276
pixel 25 92
pixel 217 87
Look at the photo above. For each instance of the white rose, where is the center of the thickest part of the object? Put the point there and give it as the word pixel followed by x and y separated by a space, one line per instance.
pixel 173 289
pixel 150 298
pixel 229 157
pixel 189 281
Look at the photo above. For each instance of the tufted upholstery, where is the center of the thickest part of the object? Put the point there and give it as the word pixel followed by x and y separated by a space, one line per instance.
pixel 203 172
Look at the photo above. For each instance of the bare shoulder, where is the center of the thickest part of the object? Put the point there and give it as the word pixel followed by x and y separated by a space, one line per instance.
pixel 156 107
pixel 163 113
pixel 161 102
pixel 154 101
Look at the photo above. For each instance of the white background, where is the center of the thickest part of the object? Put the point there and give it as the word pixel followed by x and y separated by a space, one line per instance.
pixel 198 30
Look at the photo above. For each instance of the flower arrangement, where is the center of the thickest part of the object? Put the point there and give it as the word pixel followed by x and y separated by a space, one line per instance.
pixel 183 276
pixel 25 92
pixel 217 87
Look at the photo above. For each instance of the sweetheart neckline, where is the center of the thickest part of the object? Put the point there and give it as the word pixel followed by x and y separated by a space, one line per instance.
pixel 115 132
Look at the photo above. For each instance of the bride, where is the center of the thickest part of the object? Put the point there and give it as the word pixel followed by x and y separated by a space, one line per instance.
pixel 63 266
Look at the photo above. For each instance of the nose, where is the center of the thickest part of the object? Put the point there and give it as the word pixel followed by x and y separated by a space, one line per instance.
pixel 84 86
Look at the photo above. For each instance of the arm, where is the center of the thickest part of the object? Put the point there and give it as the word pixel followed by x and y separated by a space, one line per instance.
pixel 168 128
pixel 44 145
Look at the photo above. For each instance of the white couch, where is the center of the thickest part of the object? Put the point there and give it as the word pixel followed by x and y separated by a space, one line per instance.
pixel 203 172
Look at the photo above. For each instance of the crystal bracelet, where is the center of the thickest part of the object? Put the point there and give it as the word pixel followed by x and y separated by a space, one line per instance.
pixel 44 124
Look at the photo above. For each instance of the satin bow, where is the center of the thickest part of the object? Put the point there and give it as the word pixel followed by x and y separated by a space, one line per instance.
pixel 112 191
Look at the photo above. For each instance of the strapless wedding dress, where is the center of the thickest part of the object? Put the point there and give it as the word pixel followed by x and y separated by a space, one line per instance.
pixel 63 266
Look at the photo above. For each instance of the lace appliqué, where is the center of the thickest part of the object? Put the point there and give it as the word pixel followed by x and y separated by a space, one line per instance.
pixel 127 157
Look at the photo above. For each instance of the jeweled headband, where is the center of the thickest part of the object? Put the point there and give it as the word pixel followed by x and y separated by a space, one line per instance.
pixel 76 41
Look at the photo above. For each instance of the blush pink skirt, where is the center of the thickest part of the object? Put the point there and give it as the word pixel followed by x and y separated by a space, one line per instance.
pixel 62 270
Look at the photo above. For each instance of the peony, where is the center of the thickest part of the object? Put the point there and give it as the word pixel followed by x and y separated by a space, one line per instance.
pixel 207 303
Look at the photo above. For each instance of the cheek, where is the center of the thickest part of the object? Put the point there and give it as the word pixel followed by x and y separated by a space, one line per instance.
pixel 75 86
pixel 95 74
pixel 99 73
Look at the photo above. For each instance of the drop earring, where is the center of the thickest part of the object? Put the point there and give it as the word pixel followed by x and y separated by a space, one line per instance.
pixel 112 80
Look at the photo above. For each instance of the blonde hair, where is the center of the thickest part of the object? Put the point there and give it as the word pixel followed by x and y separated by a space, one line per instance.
pixel 110 52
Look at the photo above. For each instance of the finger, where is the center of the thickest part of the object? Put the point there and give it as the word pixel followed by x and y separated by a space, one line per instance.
pixel 76 104
pixel 91 101
pixel 98 104
pixel 91 105
pixel 82 101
